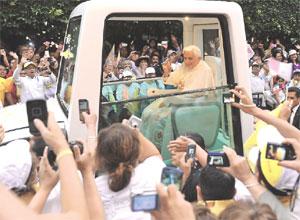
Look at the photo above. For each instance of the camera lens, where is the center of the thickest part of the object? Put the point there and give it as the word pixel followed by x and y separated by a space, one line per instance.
pixel 36 112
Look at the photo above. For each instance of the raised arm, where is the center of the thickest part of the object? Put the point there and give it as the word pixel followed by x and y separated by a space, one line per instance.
pixel 16 74
pixel 47 179
pixel 247 106
pixel 85 163
pixel 72 194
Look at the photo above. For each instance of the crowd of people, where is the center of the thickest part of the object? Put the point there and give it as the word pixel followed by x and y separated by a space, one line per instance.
pixel 28 73
pixel 98 178
pixel 125 163
pixel 273 71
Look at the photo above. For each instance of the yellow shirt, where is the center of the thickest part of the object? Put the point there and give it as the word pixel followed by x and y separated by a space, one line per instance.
pixel 3 85
pixel 201 76
pixel 217 206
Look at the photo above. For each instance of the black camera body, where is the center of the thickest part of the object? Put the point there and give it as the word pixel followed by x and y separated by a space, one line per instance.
pixel 280 152
pixel 230 97
pixel 83 107
pixel 36 109
pixel 217 159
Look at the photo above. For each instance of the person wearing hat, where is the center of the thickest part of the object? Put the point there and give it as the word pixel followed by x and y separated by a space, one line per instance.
pixel 293 58
pixel 173 58
pixel 32 86
pixel 257 83
pixel 128 90
pixel 295 81
pixel 142 63
pixel 194 73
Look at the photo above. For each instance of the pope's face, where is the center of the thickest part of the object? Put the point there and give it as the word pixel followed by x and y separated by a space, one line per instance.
pixel 190 60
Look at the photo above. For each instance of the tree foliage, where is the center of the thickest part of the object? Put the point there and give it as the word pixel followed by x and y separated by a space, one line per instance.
pixel 41 20
pixel 37 20
pixel 265 19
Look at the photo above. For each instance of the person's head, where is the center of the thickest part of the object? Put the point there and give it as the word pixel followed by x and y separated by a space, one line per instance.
pixel 154 59
pixel 2 71
pixel 257 59
pixel 118 151
pixel 277 53
pixel 150 72
pixel 255 68
pixel 172 55
pixel 142 62
pixel 296 75
pixel 197 138
pixel 294 95
pixel 127 64
pixel 203 213
pixel 152 43
pixel 17 167
pixel 191 56
pixel 134 55
pixel 247 210
pixel 215 184
pixel 293 55
pixel 30 69
pixel 108 67
pixel 27 51
pixel 189 189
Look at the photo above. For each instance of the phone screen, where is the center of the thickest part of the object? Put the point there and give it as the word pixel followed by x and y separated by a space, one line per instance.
pixel 280 152
pixel 172 175
pixel 190 152
pixel 83 107
pixel 144 202
pixel 230 98
pixel 36 109
pixel 134 121
pixel 217 159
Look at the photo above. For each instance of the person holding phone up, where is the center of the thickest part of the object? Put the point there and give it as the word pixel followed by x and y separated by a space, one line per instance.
pixel 33 86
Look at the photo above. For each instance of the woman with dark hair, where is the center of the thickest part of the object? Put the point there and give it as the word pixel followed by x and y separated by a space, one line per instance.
pixel 131 165
pixel 277 53
pixel 293 58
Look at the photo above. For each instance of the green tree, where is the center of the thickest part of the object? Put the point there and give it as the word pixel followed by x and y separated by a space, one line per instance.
pixel 266 19
pixel 37 20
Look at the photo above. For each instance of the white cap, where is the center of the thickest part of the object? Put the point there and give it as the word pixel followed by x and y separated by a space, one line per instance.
pixel 291 52
pixel 150 70
pixel 15 164
pixel 127 73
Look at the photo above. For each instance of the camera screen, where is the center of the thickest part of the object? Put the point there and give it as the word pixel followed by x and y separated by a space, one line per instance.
pixel 216 161
pixel 228 98
pixel 83 105
pixel 171 176
pixel 275 152
pixel 144 202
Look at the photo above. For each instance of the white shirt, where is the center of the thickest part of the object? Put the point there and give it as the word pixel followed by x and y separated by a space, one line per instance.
pixel 257 83
pixel 32 88
pixel 294 110
pixel 117 204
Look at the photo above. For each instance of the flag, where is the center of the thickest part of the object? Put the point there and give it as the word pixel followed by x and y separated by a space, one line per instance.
pixel 284 70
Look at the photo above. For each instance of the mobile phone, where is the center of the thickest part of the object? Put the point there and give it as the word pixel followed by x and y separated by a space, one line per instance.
pixel 172 175
pixel 36 108
pixel 217 159
pixel 146 201
pixel 134 121
pixel 230 98
pixel 190 152
pixel 83 107
pixel 279 152
pixel 124 44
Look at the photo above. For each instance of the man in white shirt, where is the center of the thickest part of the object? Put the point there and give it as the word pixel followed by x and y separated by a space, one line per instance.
pixel 32 86
pixel 257 85
pixel 293 97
